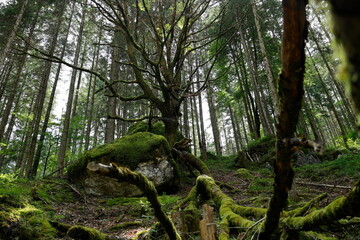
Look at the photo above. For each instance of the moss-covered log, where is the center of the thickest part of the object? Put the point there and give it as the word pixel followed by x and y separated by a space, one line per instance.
pixel 148 188
pixel 338 209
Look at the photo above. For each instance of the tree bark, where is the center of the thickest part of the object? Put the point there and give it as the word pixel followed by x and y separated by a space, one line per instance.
pixel 114 76
pixel 12 34
pixel 60 12
pixel 214 121
pixel 290 94
pixel 66 125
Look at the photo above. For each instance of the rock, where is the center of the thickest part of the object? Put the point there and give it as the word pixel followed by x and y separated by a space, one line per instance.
pixel 143 152
pixel 302 158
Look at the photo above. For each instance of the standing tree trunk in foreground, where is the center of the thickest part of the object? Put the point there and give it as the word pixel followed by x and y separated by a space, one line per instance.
pixel 290 94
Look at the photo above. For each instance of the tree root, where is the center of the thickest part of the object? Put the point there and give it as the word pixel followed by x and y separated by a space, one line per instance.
pixel 250 220
pixel 148 188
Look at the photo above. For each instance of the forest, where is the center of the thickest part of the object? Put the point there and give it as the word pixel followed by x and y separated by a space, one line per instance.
pixel 179 119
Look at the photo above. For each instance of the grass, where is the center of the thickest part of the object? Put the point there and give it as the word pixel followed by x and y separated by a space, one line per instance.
pixel 220 162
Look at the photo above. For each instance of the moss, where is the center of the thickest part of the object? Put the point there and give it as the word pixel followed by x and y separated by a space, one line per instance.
pixel 347 165
pixel 156 128
pixel 34 224
pixel 261 185
pixel 84 233
pixel 244 174
pixel 127 151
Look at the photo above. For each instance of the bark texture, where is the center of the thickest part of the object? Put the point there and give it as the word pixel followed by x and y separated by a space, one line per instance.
pixel 290 94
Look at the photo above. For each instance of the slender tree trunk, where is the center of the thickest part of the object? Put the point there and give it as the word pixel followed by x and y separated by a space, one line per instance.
pixel 214 121
pixel 235 131
pixel 32 173
pixel 186 126
pixel 12 34
pixel 347 104
pixel 114 76
pixel 269 73
pixel 193 123
pixel 202 128
pixel 66 126
pixel 263 113
pixel 91 93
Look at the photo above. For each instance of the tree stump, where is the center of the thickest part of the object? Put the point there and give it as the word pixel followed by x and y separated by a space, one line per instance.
pixel 207 225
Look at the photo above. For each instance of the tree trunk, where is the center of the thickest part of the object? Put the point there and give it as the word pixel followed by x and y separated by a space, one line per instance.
pixel 33 171
pixel 290 93
pixel 91 93
pixel 214 121
pixel 12 34
pixel 114 76
pixel 269 73
pixel 65 131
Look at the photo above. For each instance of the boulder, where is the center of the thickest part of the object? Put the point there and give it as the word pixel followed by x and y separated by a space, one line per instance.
pixel 143 152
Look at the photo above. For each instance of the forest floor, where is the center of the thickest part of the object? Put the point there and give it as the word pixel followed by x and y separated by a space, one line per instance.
pixel 122 218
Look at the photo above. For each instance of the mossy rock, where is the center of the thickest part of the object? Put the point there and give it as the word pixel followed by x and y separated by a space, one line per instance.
pixel 84 233
pixel 27 222
pixel 156 128
pixel 144 152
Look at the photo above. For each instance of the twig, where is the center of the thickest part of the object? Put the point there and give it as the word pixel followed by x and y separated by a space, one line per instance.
pixel 323 185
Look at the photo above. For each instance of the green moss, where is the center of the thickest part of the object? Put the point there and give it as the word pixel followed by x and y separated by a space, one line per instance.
pixel 315 235
pixel 220 162
pixel 156 128
pixel 127 151
pixel 84 233
pixel 344 166
pixel 268 141
pixel 34 224
pixel 261 185
pixel 243 173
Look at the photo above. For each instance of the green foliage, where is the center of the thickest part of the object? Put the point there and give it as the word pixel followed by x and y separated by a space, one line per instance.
pixel 12 186
pixel 260 142
pixel 344 166
pixel 220 162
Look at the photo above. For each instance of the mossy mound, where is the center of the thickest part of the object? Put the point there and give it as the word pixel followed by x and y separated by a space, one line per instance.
pixel 156 128
pixel 19 218
pixel 130 151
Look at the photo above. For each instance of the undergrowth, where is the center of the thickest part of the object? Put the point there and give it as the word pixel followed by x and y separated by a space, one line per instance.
pixel 344 166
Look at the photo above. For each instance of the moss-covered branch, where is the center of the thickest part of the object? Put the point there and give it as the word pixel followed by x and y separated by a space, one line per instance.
pixel 339 208
pixel 148 188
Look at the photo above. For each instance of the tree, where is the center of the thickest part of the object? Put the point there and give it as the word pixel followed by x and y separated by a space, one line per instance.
pixel 290 94
pixel 161 53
